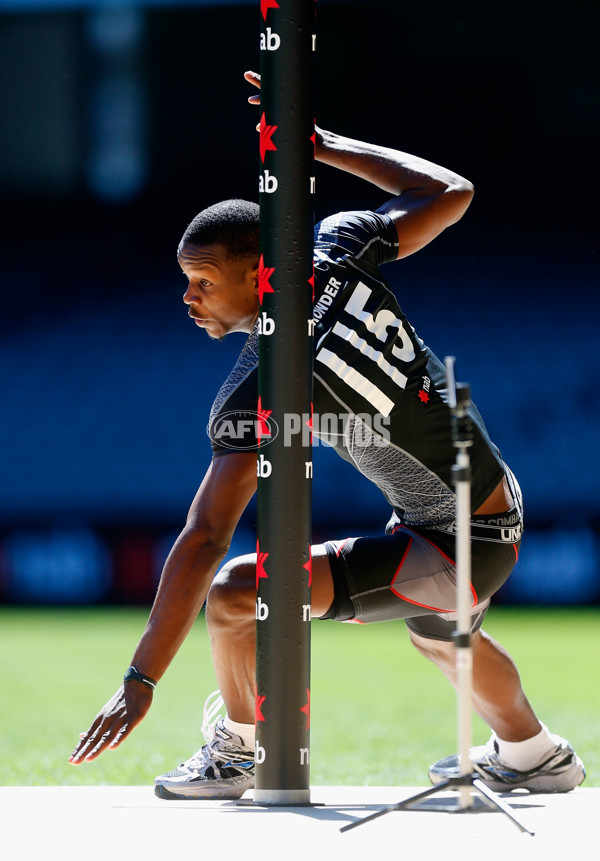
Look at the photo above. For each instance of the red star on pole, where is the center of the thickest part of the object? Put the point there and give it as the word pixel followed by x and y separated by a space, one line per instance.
pixel 423 396
pixel 263 428
pixel 266 135
pixel 258 704
pixel 261 558
pixel 309 423
pixel 265 5
pixel 264 273
pixel 306 709
pixel 308 566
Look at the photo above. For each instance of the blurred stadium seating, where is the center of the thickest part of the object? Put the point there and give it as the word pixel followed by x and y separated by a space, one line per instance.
pixel 111 140
pixel 103 432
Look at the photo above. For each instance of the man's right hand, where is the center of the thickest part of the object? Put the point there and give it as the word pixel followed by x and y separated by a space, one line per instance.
pixel 121 714
pixel 226 489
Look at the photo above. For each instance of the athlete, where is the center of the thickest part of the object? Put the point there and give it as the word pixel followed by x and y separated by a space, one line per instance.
pixel 372 368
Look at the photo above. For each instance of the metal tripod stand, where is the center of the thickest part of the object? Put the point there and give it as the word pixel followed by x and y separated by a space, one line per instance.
pixel 467 784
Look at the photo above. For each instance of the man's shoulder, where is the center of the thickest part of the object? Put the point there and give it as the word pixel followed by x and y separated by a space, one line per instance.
pixel 353 221
pixel 361 235
pixel 234 409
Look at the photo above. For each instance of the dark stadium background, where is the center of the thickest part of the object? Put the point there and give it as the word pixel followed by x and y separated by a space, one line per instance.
pixel 119 122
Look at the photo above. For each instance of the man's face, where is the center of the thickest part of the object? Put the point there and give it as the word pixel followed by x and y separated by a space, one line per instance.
pixel 222 294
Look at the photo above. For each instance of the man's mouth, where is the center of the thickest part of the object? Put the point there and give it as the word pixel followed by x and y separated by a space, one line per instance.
pixel 199 321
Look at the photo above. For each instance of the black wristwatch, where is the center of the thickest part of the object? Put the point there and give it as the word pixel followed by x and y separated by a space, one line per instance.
pixel 134 675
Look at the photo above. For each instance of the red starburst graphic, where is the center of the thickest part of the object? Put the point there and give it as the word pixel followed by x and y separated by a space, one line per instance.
pixel 264 274
pixel 265 5
pixel 309 423
pixel 258 704
pixel 311 281
pixel 423 396
pixel 266 135
pixel 262 428
pixel 261 558
pixel 306 709
pixel 308 566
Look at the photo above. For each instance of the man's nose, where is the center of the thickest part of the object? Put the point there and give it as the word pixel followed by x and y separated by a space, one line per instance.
pixel 189 295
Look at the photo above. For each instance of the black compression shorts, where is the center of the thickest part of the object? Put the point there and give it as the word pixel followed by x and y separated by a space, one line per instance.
pixel 410 575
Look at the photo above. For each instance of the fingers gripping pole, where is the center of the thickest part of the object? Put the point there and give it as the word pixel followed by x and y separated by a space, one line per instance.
pixel 284 467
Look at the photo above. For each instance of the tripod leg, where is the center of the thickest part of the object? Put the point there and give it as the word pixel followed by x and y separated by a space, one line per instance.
pixel 401 805
pixel 375 815
pixel 500 804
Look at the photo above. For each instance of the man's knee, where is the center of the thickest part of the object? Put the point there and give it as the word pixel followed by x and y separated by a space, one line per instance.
pixel 233 591
pixel 441 652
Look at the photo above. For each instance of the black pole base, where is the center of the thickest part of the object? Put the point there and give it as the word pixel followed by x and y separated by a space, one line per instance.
pixel 492 802
pixel 249 802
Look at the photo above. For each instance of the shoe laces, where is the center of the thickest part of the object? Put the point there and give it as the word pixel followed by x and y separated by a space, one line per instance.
pixel 210 716
pixel 211 713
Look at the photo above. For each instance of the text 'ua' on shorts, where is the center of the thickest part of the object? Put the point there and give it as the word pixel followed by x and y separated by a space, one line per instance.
pixel 411 575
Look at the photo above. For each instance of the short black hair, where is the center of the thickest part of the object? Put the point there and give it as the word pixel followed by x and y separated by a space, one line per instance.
pixel 231 223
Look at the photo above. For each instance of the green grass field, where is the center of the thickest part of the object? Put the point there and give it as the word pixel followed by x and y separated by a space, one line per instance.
pixel 380 713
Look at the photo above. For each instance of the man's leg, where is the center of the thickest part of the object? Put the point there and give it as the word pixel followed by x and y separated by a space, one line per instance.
pixel 498 695
pixel 224 766
pixel 231 620
pixel 522 753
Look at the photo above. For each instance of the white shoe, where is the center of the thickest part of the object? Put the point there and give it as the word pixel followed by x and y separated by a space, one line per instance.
pixel 222 768
pixel 561 771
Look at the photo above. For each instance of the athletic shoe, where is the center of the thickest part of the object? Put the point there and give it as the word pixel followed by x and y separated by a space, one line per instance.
pixel 222 768
pixel 561 771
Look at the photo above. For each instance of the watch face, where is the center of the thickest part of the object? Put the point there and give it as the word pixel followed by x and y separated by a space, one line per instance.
pixel 134 675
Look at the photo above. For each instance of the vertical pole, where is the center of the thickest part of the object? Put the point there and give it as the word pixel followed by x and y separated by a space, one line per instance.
pixel 459 401
pixel 284 465
pixel 464 655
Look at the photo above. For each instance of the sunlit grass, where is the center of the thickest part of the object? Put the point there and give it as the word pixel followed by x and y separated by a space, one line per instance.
pixel 380 713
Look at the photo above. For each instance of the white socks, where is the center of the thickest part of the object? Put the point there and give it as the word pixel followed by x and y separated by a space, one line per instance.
pixel 244 730
pixel 524 755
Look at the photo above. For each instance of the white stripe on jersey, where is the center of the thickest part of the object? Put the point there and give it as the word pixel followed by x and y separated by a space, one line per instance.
pixel 356 381
pixel 376 355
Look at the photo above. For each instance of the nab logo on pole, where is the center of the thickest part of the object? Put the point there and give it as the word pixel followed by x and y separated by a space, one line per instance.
pixel 262 610
pixel 264 467
pixel 266 324
pixel 267 183
pixel 269 41
pixel 260 754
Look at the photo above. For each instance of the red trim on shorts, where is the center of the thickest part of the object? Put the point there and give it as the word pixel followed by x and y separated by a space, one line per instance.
pixel 441 552
pixel 516 552
pixel 340 545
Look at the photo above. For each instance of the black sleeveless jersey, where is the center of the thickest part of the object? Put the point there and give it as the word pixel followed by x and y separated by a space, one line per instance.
pixel 372 370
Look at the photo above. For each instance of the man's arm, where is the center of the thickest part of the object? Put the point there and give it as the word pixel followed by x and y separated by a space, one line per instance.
pixel 427 198
pixel 191 565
